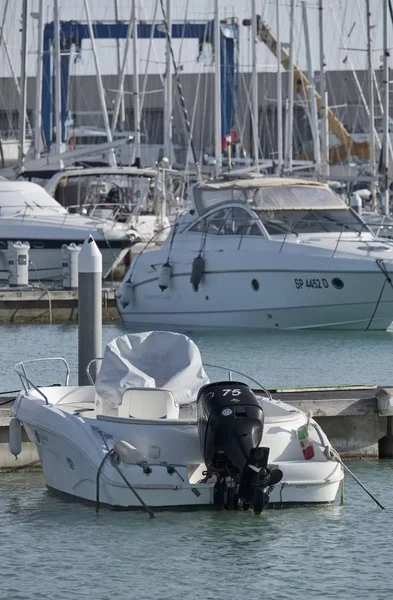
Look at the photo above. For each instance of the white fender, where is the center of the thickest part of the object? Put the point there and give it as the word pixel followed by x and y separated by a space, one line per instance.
pixel 124 294
pixel 15 437
pixel 128 454
pixel 165 276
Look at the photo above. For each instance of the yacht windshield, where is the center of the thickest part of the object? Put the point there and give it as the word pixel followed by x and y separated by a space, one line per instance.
pixel 296 197
pixel 311 221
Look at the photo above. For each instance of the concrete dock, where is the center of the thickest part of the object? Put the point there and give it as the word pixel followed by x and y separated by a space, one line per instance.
pixel 49 305
pixel 357 420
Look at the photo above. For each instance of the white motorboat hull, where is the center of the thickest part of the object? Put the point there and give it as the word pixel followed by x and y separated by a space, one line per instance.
pixel 228 300
pixel 71 452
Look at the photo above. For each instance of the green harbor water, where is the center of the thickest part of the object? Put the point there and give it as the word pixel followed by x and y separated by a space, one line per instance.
pixel 52 549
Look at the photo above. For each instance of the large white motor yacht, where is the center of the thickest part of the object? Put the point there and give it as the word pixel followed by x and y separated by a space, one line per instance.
pixel 29 213
pixel 266 253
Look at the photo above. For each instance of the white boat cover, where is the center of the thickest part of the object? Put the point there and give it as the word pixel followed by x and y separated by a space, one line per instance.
pixel 159 359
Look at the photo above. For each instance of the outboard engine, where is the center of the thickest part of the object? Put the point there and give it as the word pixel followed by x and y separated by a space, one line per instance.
pixel 230 426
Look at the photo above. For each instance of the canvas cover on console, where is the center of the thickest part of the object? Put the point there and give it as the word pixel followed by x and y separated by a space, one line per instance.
pixel 159 359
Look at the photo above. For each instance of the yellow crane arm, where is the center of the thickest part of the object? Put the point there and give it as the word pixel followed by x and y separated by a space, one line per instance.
pixel 302 83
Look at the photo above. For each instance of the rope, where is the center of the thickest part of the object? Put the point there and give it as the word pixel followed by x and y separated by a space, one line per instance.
pixel 98 481
pixel 9 400
pixel 376 306
pixel 382 266
pixel 333 454
pixel 111 453
pixel 384 270
pixel 180 92
pixel 172 240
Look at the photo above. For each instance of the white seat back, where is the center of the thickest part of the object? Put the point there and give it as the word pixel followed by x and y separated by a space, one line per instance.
pixel 148 403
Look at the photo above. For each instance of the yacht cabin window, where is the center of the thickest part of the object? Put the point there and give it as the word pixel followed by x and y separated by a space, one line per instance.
pixel 228 221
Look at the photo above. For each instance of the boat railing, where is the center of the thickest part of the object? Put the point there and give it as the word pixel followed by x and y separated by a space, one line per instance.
pixel 24 211
pixel 27 383
pixel 113 212
pixel 336 236
pixel 93 362
pixel 12 135
pixel 228 370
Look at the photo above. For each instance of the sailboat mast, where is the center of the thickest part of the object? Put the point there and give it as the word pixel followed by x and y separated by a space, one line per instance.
pixel 385 144
pixel 112 157
pixel 371 115
pixel 289 128
pixel 168 89
pixel 323 105
pixel 217 89
pixel 121 90
pixel 38 82
pixel 254 84
pixel 56 23
pixel 279 94
pixel 312 98
pixel 23 80
pixel 135 79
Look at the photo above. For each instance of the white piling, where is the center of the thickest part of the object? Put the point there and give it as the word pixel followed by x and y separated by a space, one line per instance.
pixel 89 307
pixel 70 266
pixel 18 263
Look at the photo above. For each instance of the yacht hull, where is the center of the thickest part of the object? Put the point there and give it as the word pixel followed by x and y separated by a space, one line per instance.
pixel 230 300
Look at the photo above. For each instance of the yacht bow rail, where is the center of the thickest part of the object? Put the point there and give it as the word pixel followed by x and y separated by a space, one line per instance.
pixel 115 213
pixel 24 212
pixel 20 369
pixel 290 231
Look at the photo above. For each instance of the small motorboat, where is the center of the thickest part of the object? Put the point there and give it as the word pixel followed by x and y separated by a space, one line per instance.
pixel 153 431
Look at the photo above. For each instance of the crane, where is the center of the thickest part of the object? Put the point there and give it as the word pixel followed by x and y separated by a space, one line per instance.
pixel 347 145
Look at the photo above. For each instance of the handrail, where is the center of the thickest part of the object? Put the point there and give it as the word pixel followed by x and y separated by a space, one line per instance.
pixel 90 364
pixel 334 236
pixel 380 225
pixel 230 371
pixel 26 381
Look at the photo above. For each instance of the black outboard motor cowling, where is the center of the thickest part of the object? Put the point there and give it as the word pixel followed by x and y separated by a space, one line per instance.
pixel 230 423
pixel 230 426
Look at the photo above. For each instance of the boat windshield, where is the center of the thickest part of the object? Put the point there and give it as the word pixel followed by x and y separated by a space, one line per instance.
pixel 82 189
pixel 311 221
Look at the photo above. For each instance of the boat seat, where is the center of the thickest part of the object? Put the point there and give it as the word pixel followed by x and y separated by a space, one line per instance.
pixel 148 403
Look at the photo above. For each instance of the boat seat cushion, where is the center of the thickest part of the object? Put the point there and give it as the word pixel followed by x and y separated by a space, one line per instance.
pixel 148 403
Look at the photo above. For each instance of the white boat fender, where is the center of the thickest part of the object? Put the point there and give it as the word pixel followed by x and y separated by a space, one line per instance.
pixel 15 437
pixel 356 203
pixel 197 271
pixel 127 453
pixel 165 277
pixel 124 294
